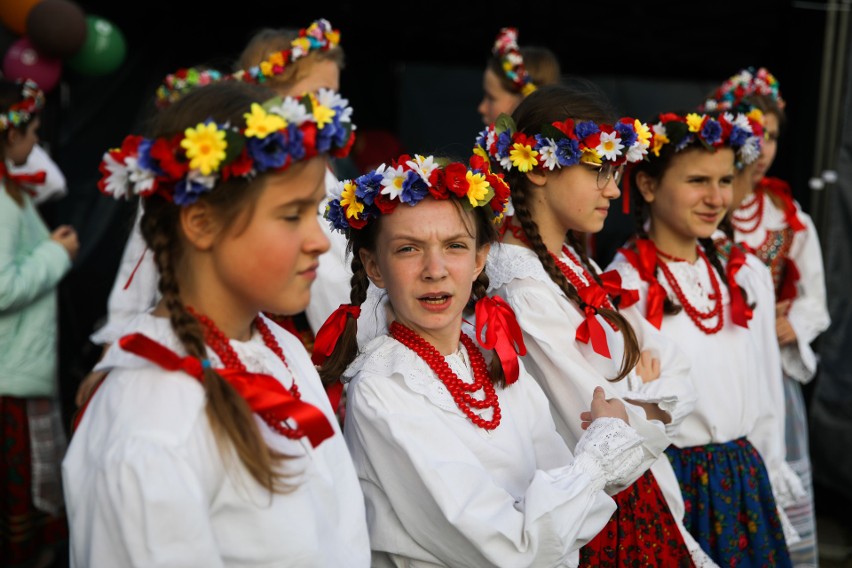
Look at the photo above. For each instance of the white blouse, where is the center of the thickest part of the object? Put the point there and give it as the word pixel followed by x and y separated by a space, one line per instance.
pixel 146 483
pixel 737 370
pixel 441 491
pixel 808 314
pixel 569 370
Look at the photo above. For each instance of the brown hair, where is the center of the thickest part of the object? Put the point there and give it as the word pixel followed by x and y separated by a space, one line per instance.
pixel 230 416
pixel 366 239
pixel 267 41
pixel 541 64
pixel 11 92
pixel 545 106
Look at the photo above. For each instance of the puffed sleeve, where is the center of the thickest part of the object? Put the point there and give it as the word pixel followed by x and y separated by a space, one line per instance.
pixel 446 499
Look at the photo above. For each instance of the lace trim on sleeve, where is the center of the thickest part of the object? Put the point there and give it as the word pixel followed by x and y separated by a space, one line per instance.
pixel 613 447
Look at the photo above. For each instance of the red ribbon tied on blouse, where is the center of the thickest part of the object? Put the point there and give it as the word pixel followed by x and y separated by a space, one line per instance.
pixel 788 289
pixel 331 330
pixel 781 190
pixel 741 313
pixel 611 281
pixel 264 394
pixel 644 260
pixel 591 329
pixel 25 179
pixel 502 334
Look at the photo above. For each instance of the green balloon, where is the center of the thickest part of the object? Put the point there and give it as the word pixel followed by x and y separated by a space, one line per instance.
pixel 103 51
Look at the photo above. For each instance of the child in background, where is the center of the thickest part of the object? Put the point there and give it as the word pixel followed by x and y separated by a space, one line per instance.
pixel 563 154
pixel 512 73
pixel 458 456
pixel 773 225
pixel 211 441
pixel 33 260
pixel 729 452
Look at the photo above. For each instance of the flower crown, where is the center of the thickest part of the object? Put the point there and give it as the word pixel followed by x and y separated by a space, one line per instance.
pixel 21 112
pixel 319 36
pixel 746 83
pixel 409 180
pixel 180 82
pixel 276 134
pixel 563 144
pixel 507 51
pixel 741 132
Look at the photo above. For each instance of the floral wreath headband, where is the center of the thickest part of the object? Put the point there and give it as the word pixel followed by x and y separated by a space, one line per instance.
pixel 563 144
pixel 746 83
pixel 21 112
pixel 276 134
pixel 409 180
pixel 741 132
pixel 319 36
pixel 511 61
pixel 182 81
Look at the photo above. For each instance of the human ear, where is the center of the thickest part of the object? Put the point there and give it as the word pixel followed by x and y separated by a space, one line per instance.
pixel 481 257
pixel 371 267
pixel 537 178
pixel 199 225
pixel 647 186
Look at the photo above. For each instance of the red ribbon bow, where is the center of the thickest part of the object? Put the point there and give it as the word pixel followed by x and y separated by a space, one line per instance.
pixel 782 191
pixel 265 394
pixel 741 313
pixel 25 179
pixel 611 281
pixel 502 333
pixel 644 260
pixel 331 330
pixel 591 329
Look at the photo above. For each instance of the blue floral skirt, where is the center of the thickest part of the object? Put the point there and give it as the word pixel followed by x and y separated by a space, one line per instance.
pixel 730 509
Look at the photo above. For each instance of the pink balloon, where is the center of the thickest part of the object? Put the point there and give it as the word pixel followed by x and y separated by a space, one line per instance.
pixel 23 61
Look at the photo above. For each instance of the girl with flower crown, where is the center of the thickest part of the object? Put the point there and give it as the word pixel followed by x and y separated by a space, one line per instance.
pixel 211 441
pixel 769 221
pixel 729 453
pixel 458 457
pixel 292 62
pixel 563 155
pixel 33 260
pixel 513 72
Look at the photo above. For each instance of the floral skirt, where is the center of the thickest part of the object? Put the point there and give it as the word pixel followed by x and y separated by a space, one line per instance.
pixel 730 509
pixel 642 532
pixel 26 531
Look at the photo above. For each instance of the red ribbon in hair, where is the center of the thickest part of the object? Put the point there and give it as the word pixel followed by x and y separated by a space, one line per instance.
pixel 611 281
pixel 264 394
pixel 741 313
pixel 781 190
pixel 331 330
pixel 644 260
pixel 788 289
pixel 502 334
pixel 591 329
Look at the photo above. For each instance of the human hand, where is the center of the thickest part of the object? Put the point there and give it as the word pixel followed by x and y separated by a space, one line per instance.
pixel 785 332
pixel 66 236
pixel 782 307
pixel 87 386
pixel 602 408
pixel 648 367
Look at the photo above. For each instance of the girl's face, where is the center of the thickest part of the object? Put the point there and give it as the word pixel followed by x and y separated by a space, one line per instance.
pixel 690 199
pixel 768 147
pixel 426 258
pixel 21 142
pixel 322 74
pixel 570 199
pixel 496 99
pixel 267 259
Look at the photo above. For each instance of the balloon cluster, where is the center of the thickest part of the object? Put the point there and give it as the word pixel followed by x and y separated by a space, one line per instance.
pixel 41 36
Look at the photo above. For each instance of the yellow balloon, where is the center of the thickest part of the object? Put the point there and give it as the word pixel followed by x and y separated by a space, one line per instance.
pixel 14 14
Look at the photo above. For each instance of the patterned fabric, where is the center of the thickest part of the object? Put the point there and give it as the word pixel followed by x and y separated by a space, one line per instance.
pixel 641 532
pixel 25 532
pixel 774 252
pixel 730 509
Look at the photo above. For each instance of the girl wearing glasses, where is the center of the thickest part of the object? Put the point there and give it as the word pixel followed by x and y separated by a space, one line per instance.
pixel 562 155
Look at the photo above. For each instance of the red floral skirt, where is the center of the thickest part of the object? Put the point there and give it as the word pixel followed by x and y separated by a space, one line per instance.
pixel 641 532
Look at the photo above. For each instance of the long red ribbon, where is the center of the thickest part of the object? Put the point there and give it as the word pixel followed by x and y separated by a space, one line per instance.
pixel 781 189
pixel 331 330
pixel 591 329
pixel 265 394
pixel 741 313
pixel 788 289
pixel 644 260
pixel 502 333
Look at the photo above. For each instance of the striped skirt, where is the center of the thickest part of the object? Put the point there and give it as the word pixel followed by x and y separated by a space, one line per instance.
pixel 730 509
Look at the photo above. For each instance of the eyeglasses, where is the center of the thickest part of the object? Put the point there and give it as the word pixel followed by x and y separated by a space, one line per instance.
pixel 609 171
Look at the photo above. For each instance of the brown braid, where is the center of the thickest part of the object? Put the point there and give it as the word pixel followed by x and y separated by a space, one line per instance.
pixel 495 368
pixel 712 253
pixel 530 228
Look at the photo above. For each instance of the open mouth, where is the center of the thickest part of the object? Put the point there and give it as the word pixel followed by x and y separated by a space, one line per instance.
pixel 435 300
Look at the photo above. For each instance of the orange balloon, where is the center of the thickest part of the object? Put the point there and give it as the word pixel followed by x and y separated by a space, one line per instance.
pixel 14 14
